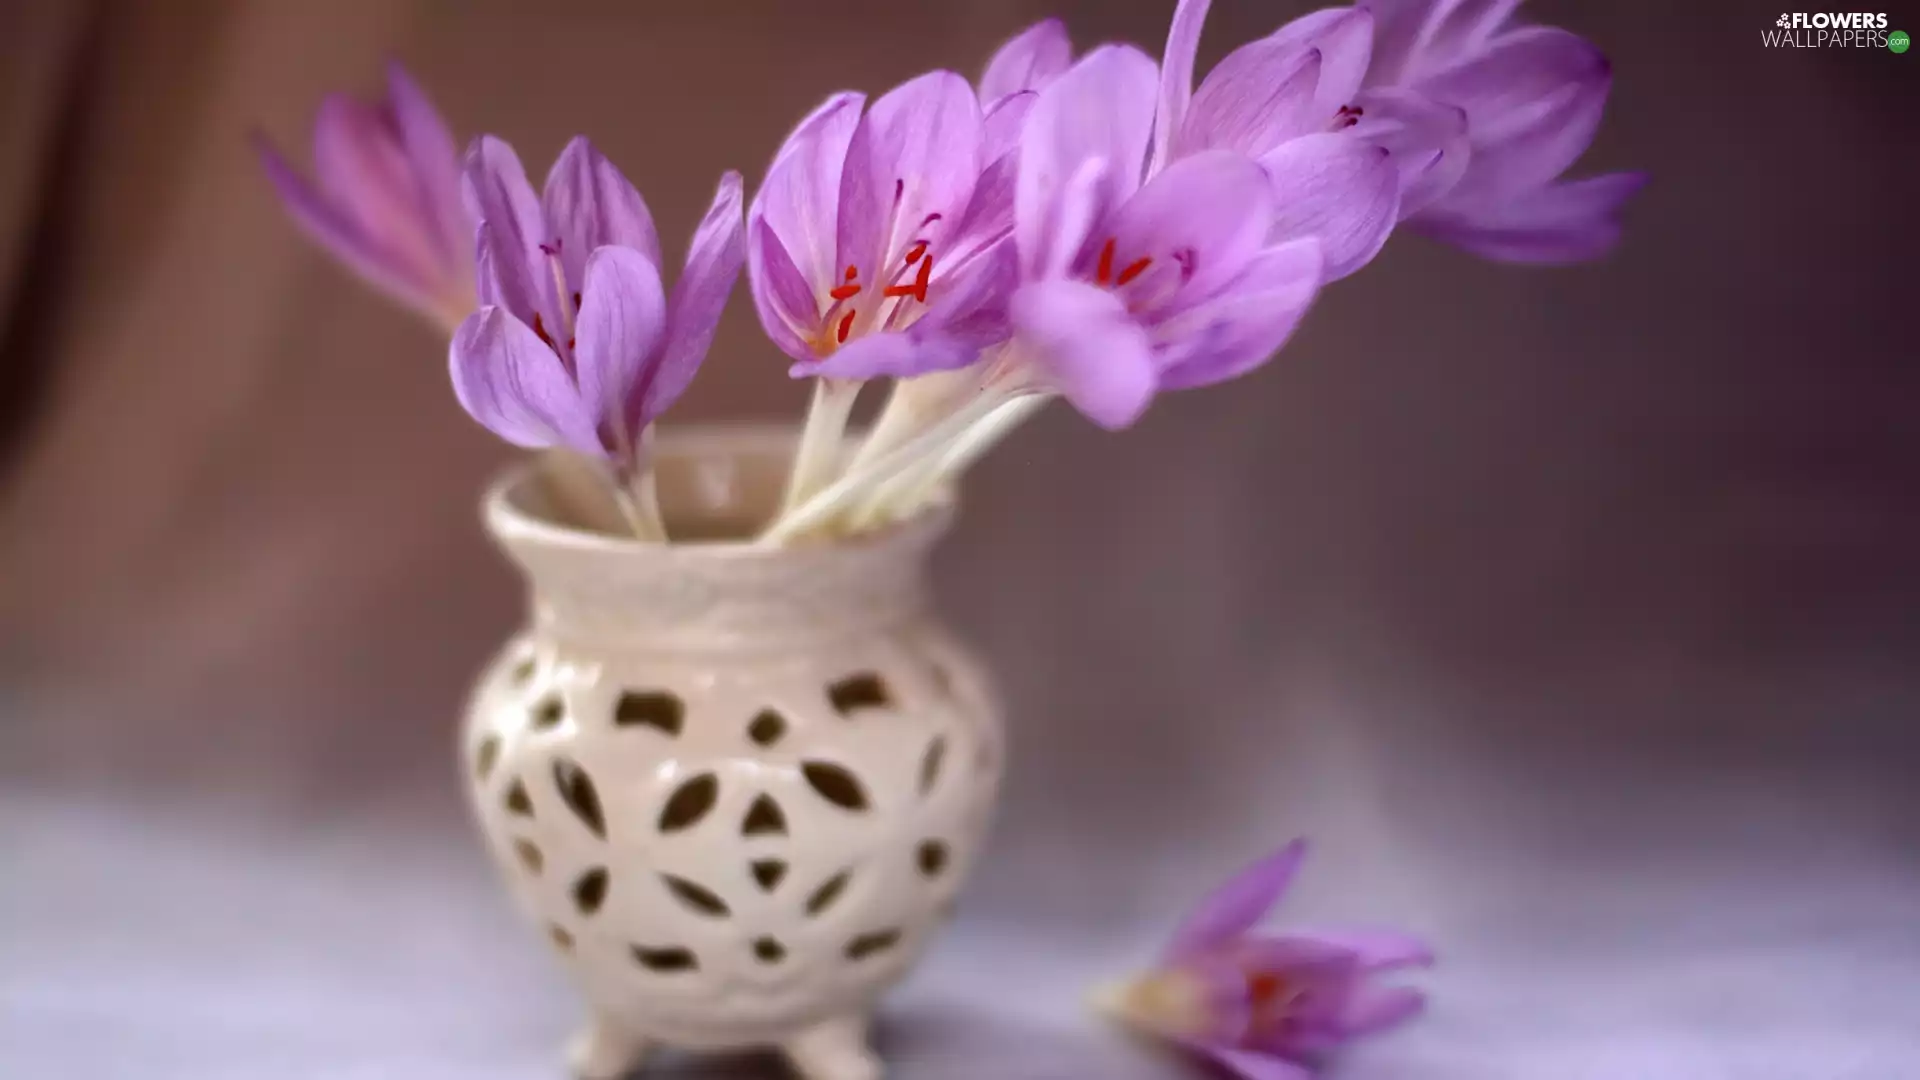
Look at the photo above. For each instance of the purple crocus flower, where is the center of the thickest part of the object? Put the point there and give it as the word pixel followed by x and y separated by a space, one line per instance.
pixel 576 343
pixel 385 197
pixel 1287 100
pixel 873 242
pixel 1133 284
pixel 1269 1006
pixel 1531 98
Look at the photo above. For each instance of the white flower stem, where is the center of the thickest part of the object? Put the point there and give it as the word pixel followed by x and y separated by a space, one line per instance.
pixel 816 460
pixel 630 475
pixel 823 505
pixel 900 497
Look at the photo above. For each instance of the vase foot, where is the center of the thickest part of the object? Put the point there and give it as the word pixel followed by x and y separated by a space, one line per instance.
pixel 835 1050
pixel 601 1051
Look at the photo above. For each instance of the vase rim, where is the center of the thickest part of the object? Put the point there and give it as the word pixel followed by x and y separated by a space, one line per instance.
pixel 513 522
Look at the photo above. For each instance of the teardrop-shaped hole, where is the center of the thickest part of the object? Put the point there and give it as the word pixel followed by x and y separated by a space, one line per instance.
pixel 764 818
pixel 825 896
pixel 529 855
pixel 930 763
pixel 769 873
pixel 933 858
pixel 522 672
pixel 667 961
pixel 548 712
pixel 697 897
pixel 577 791
pixel 863 690
pixel 767 728
pixel 769 951
pixel 590 890
pixel 486 755
pixel 658 709
pixel 690 803
pixel 516 800
pixel 868 944
pixel 835 784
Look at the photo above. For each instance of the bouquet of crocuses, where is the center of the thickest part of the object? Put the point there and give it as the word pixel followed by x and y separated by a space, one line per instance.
pixel 1099 230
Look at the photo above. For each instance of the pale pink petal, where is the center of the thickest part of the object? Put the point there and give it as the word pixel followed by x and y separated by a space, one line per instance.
pixel 1339 190
pixel 590 205
pixel 800 198
pixel 623 320
pixel 1260 96
pixel 1029 61
pixel 515 386
pixel 1252 1065
pixel 785 302
pixel 1100 109
pixel 1237 906
pixel 1373 1009
pixel 1087 347
pixel 1344 37
pixel 1176 77
pixel 699 297
pixel 910 169
pixel 1427 139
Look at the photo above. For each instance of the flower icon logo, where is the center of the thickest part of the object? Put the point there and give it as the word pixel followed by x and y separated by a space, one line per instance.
pixel 1783 21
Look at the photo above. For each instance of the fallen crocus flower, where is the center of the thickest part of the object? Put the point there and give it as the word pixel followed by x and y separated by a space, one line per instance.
pixel 1268 1006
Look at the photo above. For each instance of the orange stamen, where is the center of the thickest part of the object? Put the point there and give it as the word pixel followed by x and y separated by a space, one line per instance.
pixel 1134 270
pixel 846 327
pixel 913 255
pixel 1265 989
pixel 852 272
pixel 844 292
pixel 1105 274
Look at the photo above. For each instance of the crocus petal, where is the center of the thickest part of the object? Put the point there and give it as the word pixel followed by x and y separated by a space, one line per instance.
pixel 1344 37
pixel 1536 152
pixel 1088 348
pixel 782 296
pixel 910 168
pixel 1558 224
pixel 514 274
pixel 1260 96
pixel 1176 76
pixel 1033 58
pixel 1101 108
pixel 1246 323
pixel 901 355
pixel 590 205
pixel 435 161
pixel 988 219
pixel 339 234
pixel 1340 190
pixel 515 386
pixel 1373 1009
pixel 360 165
pixel 1237 906
pixel 1053 234
pixel 1427 139
pixel 1251 1065
pixel 1533 101
pixel 1213 210
pixel 1372 950
pixel 1002 123
pixel 623 320
pixel 800 197
pixel 693 314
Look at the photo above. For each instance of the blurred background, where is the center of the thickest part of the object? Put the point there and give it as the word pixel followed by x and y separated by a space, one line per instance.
pixel 1575 613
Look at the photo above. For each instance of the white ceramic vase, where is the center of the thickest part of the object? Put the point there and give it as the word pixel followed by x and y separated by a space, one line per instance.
pixel 735 788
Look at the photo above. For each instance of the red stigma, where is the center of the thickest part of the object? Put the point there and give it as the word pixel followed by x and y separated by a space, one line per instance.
pixel 1105 274
pixel 846 327
pixel 1134 270
pixel 576 301
pixel 844 292
pixel 540 331
pixel 917 290
pixel 914 253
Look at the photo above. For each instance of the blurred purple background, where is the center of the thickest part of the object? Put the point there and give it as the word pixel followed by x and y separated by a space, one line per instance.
pixel 1576 612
